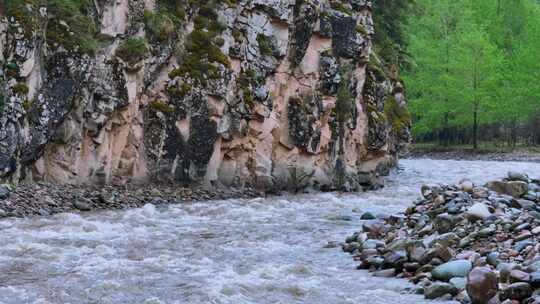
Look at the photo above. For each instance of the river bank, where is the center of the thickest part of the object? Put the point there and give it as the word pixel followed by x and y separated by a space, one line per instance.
pixel 42 199
pixel 464 241
pixel 483 154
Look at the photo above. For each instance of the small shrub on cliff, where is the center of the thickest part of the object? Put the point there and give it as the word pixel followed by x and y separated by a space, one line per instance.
pixel 133 50
pixel 20 89
pixel 265 45
pixel 361 30
pixel 344 102
pixel 160 26
pixel 398 116
pixel 161 107
pixel 27 104
pixel 344 8
pixel 201 49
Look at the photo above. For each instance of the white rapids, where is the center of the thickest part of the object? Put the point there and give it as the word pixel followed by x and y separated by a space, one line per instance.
pixel 235 251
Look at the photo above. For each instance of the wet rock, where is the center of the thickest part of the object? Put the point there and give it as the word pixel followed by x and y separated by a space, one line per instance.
pixel 459 283
pixel 516 291
pixel 516 176
pixel 478 211
pixel 450 270
pixel 82 205
pixel 387 273
pixel 367 216
pixel 466 186
pixel 482 285
pixel 535 279
pixel 4 192
pixel 439 289
pixel 448 231
pixel 519 276
pixel 512 188
pixel 493 259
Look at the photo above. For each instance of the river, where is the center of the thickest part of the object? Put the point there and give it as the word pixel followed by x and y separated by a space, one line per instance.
pixel 236 251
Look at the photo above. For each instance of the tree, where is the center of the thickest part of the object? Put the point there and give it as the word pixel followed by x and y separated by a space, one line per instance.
pixel 479 62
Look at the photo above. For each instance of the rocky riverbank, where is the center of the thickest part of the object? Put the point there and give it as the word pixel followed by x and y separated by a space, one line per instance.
pixel 46 199
pixel 468 154
pixel 474 244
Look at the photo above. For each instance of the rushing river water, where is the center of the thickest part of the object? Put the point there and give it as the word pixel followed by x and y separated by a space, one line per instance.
pixel 235 251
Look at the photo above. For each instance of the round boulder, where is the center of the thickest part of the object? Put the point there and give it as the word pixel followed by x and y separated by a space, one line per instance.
pixel 482 285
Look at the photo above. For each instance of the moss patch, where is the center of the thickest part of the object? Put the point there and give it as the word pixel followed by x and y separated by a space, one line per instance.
pixel 68 25
pixel 399 117
pixel 161 106
pixel 133 50
pixel 247 81
pixel 342 7
pixel 20 89
pixel 265 45
pixel 160 26
pixel 201 49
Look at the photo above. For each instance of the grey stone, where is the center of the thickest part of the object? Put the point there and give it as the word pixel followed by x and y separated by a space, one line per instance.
pixel 512 188
pixel 478 211
pixel 516 291
pixel 4 192
pixel 447 271
pixel 81 205
pixel 439 289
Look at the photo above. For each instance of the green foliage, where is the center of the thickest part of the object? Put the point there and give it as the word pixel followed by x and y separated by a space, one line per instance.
pixel 361 30
pixel 344 102
pixel 399 117
pixel 20 89
pixel 160 26
pixel 161 106
pixel 265 45
pixel 133 50
pixel 390 18
pixel 201 49
pixel 27 104
pixel 474 62
pixel 339 6
pixel 80 32
pixel 247 81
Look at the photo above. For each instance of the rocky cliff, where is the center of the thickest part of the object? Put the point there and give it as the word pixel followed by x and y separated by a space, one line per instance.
pixel 266 93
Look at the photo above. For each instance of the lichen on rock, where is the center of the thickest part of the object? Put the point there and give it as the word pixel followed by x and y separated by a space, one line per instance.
pixel 216 92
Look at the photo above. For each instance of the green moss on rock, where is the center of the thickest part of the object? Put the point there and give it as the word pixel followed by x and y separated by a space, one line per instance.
pixel 201 48
pixel 20 89
pixel 265 45
pixel 133 50
pixel 68 26
pixel 399 117
pixel 161 106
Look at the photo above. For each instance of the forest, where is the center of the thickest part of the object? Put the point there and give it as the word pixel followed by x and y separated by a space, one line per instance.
pixel 471 68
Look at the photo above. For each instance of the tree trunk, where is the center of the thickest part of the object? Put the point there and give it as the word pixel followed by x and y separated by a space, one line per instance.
pixel 475 130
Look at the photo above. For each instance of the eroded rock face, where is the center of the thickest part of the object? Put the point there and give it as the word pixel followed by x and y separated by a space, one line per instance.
pixel 223 94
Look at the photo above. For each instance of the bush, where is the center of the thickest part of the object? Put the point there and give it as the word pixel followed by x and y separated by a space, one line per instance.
pixel 133 50
pixel 159 26
pixel 20 89
pixel 161 107
pixel 265 45
pixel 398 116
